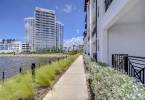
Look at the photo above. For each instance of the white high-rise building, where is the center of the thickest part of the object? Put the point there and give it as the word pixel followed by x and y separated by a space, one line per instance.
pixel 45 37
pixel 59 35
pixel 30 31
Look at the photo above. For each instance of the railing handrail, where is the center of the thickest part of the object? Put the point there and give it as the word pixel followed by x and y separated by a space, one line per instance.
pixel 134 66
pixel 136 57
pixel 107 4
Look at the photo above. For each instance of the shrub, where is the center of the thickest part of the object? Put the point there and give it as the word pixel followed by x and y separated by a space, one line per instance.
pixel 109 84
pixel 20 86
pixel 45 76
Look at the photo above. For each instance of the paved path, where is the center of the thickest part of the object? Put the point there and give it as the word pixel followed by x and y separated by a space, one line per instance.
pixel 72 85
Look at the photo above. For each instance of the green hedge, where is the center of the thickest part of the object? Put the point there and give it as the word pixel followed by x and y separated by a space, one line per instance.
pixel 109 84
pixel 22 86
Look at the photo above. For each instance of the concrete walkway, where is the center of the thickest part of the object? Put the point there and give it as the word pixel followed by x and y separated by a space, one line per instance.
pixel 72 85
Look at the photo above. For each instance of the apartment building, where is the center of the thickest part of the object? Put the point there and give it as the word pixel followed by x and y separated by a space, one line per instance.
pixel 45 37
pixel 120 28
pixel 59 35
pixel 30 31
pixel 90 33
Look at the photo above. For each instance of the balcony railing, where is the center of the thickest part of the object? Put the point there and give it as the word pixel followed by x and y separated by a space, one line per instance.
pixel 85 34
pixel 107 4
pixel 132 65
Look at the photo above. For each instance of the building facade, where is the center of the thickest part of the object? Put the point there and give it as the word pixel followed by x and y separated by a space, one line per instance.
pixel 25 47
pixel 59 35
pixel 45 37
pixel 30 31
pixel 90 33
pixel 120 28
pixel 10 45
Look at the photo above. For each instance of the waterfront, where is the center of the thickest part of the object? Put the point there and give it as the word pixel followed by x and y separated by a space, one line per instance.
pixel 10 65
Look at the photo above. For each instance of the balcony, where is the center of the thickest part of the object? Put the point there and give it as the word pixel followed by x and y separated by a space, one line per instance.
pixel 107 4
pixel 85 5
pixel 85 34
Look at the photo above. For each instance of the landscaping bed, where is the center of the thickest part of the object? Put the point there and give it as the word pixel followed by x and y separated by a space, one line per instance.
pixel 108 84
pixel 24 87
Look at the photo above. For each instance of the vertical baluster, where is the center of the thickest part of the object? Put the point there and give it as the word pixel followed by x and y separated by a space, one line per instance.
pixel 128 69
pixel 118 61
pixel 131 70
pixel 113 61
pixel 143 76
pixel 140 76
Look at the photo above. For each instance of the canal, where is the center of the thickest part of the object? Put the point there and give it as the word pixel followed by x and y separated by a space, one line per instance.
pixel 11 65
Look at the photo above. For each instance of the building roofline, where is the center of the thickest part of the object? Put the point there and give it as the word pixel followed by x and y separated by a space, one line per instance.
pixel 26 18
pixel 59 23
pixel 45 10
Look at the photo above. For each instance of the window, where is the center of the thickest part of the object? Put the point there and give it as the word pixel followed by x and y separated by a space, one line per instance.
pixel 98 47
pixel 94 3
pixel 98 12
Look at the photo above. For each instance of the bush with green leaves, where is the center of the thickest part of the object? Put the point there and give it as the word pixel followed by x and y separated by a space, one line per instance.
pixel 46 75
pixel 22 86
pixel 109 84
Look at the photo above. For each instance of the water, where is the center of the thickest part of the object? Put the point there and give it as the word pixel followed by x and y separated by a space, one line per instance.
pixel 10 65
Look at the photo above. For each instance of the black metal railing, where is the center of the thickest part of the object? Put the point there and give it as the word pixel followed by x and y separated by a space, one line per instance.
pixel 131 65
pixel 107 4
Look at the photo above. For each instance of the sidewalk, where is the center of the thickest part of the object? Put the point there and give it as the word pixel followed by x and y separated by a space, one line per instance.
pixel 72 85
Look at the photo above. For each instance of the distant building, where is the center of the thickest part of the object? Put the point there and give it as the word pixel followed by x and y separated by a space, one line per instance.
pixel 11 45
pixel 43 32
pixel 26 47
pixel 45 37
pixel 30 31
pixel 15 46
pixel 73 44
pixel 59 35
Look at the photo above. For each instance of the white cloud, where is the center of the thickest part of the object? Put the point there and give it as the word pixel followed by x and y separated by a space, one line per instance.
pixel 78 31
pixel 56 7
pixel 73 41
pixel 68 8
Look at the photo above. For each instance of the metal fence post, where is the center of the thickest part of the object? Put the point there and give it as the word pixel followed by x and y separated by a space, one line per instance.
pixel 49 62
pixel 126 64
pixel 3 76
pixel 58 59
pixel 20 70
pixel 33 71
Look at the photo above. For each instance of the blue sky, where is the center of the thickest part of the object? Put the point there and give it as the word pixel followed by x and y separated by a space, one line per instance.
pixel 13 12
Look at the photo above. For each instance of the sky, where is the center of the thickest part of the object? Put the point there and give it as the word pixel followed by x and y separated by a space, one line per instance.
pixel 13 12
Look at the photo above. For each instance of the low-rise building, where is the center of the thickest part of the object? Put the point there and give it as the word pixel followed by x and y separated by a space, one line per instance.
pixel 7 46
pixel 26 47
